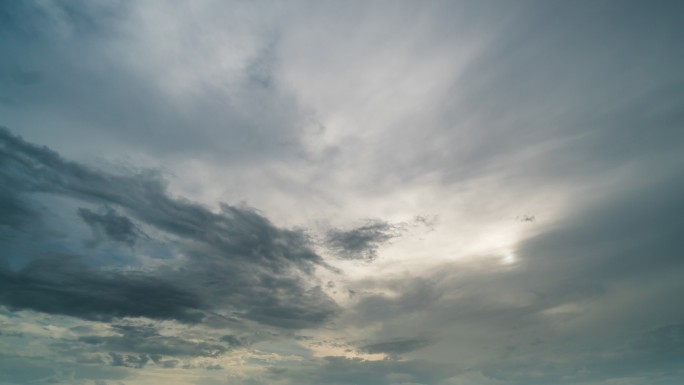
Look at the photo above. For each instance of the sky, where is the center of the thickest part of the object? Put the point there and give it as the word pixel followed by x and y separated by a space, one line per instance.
pixel 341 192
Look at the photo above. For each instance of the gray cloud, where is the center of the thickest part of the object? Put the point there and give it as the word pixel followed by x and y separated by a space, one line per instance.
pixel 346 371
pixel 15 210
pixel 546 96
pixel 239 111
pixel 37 370
pixel 234 341
pixel 147 342
pixel 631 232
pixel 396 346
pixel 129 360
pixel 474 111
pixel 109 223
pixel 240 260
pixel 606 275
pixel 361 243
pixel 63 285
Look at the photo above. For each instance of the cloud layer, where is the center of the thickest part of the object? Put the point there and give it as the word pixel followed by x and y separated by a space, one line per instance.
pixel 244 193
pixel 252 263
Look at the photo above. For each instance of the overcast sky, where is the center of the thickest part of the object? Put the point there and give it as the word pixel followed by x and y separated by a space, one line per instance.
pixel 341 192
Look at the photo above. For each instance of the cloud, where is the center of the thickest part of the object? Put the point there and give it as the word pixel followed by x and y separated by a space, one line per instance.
pixel 15 210
pixel 341 370
pixel 593 291
pixel 26 78
pixel 146 340
pixel 240 261
pixel 227 89
pixel 128 360
pixel 37 370
pixel 397 346
pixel 64 285
pixel 361 243
pixel 115 227
pixel 234 341
pixel 473 112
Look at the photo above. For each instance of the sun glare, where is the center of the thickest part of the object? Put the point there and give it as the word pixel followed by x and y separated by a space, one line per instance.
pixel 509 258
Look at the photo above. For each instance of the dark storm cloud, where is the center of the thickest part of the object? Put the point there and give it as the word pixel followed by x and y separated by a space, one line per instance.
pixel 240 260
pixel 116 227
pixel 236 232
pixel 62 285
pixel 361 243
pixel 14 210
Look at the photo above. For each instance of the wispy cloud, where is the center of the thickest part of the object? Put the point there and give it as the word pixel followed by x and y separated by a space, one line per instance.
pixel 361 243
